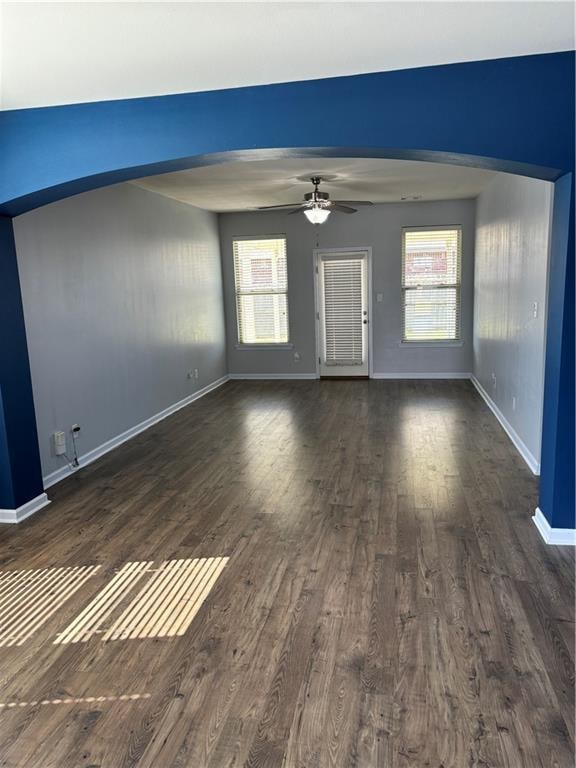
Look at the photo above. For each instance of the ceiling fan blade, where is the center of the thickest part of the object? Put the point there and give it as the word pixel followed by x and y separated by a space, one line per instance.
pixel 342 208
pixel 278 207
pixel 353 202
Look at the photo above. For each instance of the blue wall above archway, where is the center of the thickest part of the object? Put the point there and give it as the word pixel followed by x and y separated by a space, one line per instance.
pixel 514 115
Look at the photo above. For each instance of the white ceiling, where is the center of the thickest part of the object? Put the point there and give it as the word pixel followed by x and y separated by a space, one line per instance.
pixel 56 53
pixel 239 186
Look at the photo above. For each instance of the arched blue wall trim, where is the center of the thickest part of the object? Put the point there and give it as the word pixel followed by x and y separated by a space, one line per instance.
pixel 515 111
pixel 514 115
pixel 51 194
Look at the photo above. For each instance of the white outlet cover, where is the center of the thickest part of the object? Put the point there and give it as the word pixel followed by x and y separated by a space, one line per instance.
pixel 59 443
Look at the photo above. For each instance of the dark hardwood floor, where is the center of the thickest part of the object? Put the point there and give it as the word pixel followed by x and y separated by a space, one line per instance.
pixel 387 602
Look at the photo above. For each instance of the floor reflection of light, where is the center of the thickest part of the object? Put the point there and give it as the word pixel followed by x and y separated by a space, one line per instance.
pixel 429 433
pixel 428 441
pixel 272 445
pixel 74 700
pixel 29 598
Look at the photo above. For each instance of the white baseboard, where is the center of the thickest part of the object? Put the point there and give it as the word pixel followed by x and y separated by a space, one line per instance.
pixel 21 513
pixel 109 445
pixel 559 536
pixel 434 375
pixel 270 376
pixel 523 450
pixel 308 376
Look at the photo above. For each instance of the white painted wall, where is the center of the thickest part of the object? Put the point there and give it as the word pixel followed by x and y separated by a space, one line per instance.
pixel 511 268
pixel 122 297
pixel 381 228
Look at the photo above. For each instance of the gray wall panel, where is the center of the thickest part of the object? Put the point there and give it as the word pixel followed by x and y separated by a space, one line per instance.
pixel 379 227
pixel 122 295
pixel 512 243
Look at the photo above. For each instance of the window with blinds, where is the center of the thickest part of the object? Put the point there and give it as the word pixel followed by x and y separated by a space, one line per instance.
pixel 343 289
pixel 431 277
pixel 261 290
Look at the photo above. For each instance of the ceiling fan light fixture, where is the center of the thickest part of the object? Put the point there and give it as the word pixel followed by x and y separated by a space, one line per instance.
pixel 317 205
pixel 317 214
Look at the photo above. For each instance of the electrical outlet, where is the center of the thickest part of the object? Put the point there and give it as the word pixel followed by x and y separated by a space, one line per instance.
pixel 59 443
pixel 513 403
pixel 297 356
pixel 493 379
pixel 196 373
pixel 75 429
pixel 189 375
pixel 535 309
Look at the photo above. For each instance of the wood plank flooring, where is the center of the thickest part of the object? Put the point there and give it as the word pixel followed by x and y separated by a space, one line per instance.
pixel 386 602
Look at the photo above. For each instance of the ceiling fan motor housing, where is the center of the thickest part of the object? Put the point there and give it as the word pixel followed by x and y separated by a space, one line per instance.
pixel 316 197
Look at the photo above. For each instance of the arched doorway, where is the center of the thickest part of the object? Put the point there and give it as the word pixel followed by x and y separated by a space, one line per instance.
pixel 510 115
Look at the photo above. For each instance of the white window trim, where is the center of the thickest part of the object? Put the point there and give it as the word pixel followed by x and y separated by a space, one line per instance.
pixel 424 344
pixel 404 343
pixel 251 346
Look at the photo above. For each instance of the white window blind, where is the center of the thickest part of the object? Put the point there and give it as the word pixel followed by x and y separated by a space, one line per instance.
pixel 261 290
pixel 431 276
pixel 343 281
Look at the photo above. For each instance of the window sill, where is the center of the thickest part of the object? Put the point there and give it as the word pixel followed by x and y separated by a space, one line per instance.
pixel 251 347
pixel 424 344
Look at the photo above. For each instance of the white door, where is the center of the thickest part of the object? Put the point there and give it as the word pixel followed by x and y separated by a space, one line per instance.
pixel 342 312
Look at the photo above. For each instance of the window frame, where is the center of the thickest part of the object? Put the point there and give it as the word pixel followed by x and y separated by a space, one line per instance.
pixel 263 345
pixel 457 341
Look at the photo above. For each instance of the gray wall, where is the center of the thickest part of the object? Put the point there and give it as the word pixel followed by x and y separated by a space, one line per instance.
pixel 512 241
pixel 379 227
pixel 122 297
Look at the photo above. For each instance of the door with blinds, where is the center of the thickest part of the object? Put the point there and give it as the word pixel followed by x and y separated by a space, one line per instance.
pixel 343 312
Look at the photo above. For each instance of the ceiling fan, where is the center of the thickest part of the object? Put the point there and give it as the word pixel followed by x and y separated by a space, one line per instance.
pixel 317 205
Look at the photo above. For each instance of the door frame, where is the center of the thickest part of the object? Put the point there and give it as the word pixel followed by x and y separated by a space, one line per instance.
pixel 317 255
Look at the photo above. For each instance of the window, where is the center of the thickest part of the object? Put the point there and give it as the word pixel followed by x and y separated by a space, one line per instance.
pixel 261 290
pixel 431 269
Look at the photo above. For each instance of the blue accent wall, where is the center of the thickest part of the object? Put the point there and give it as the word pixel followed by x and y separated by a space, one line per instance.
pixel 557 497
pixel 20 474
pixel 514 115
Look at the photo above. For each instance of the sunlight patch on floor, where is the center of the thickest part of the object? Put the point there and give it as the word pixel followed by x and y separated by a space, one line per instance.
pixel 29 598
pixel 86 624
pixel 74 700
pixel 164 607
